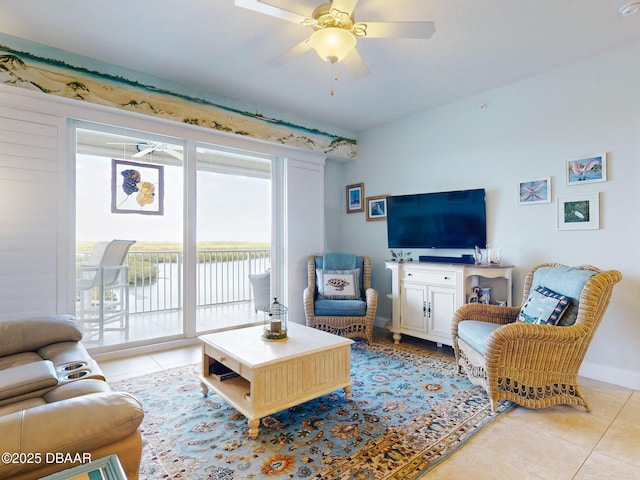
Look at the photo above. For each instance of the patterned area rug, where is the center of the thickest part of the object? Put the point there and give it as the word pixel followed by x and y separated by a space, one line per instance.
pixel 408 412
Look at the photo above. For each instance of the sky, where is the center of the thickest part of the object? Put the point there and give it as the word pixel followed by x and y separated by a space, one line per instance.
pixel 229 207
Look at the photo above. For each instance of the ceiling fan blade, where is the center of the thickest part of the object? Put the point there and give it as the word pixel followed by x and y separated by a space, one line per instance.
pixel 142 153
pixel 271 10
pixel 345 7
pixel 355 64
pixel 174 154
pixel 394 29
pixel 284 57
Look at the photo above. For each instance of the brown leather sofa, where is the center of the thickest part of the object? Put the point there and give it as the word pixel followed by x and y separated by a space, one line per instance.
pixel 56 409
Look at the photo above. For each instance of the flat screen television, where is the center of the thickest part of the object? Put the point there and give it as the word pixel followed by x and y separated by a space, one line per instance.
pixel 437 220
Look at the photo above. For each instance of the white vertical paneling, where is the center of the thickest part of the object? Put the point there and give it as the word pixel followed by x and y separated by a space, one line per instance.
pixel 304 228
pixel 29 163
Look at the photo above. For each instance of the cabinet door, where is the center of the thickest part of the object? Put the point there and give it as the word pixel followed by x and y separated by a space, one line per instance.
pixel 413 307
pixel 440 309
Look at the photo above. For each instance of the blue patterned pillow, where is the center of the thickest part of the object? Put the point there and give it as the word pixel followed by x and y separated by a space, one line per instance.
pixel 543 307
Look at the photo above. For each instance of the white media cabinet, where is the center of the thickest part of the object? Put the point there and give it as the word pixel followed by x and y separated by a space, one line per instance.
pixel 425 295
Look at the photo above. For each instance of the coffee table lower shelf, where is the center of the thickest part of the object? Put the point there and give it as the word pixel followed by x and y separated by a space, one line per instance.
pixel 237 393
pixel 287 376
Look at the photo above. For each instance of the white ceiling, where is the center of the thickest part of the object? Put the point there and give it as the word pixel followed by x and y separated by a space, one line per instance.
pixel 216 46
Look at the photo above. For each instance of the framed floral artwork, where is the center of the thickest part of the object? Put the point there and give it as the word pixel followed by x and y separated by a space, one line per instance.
pixel 355 198
pixel 376 208
pixel 579 212
pixel 137 188
pixel 534 191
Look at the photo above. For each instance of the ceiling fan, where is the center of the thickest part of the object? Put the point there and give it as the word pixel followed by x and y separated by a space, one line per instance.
pixel 336 31
pixel 147 147
pixel 150 147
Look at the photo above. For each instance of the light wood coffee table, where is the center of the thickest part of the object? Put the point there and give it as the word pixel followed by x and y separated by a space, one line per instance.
pixel 274 376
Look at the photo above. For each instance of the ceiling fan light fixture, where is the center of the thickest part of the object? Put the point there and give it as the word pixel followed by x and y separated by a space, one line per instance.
pixel 332 44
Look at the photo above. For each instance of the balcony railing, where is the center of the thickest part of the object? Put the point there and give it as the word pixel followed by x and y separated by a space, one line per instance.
pixel 222 277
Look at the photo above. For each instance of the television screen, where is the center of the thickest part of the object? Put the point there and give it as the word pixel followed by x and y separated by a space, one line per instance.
pixel 437 220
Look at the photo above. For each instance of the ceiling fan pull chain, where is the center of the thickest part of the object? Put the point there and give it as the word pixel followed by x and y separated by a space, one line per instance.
pixel 334 77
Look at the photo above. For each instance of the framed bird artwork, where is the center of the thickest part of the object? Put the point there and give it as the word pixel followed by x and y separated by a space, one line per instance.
pixel 588 169
pixel 534 191
pixel 579 212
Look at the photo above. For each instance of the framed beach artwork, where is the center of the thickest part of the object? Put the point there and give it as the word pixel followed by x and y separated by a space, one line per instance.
pixel 579 212
pixel 137 188
pixel 355 198
pixel 588 169
pixel 376 208
pixel 534 191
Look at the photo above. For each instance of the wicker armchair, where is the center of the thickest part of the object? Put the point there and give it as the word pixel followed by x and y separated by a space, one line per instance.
pixel 345 323
pixel 533 365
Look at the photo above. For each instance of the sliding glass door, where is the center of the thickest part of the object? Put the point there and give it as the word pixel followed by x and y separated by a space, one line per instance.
pixel 128 186
pixel 199 221
pixel 233 236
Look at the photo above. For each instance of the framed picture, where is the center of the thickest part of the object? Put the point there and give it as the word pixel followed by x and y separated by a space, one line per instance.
pixel 106 468
pixel 355 198
pixel 137 188
pixel 589 169
pixel 579 212
pixel 534 191
pixel 376 208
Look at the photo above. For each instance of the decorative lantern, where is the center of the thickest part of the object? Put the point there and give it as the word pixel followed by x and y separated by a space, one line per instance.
pixel 275 322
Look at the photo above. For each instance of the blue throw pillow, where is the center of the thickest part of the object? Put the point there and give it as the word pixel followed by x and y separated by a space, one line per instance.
pixel 543 307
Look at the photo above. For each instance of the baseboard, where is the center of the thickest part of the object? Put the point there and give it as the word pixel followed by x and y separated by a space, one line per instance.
pixel 617 376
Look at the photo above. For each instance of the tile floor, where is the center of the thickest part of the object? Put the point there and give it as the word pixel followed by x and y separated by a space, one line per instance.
pixel 557 443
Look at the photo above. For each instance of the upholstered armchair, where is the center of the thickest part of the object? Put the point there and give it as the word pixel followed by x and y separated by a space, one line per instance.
pixel 530 355
pixel 339 299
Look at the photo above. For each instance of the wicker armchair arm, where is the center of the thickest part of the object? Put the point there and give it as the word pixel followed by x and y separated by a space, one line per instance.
pixel 371 297
pixel 526 333
pixel 541 354
pixel 307 299
pixel 484 313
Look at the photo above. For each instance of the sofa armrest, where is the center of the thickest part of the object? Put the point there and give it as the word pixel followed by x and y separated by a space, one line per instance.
pixel 77 425
pixel 30 334
pixel 31 377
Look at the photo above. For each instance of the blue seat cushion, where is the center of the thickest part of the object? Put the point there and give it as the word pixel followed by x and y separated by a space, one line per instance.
pixel 340 308
pixel 476 333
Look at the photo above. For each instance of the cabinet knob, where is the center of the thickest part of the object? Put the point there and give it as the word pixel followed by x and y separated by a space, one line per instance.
pixel 223 358
pixel 409 274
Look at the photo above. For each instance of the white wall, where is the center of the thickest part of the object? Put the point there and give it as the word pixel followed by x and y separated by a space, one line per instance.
pixel 528 130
